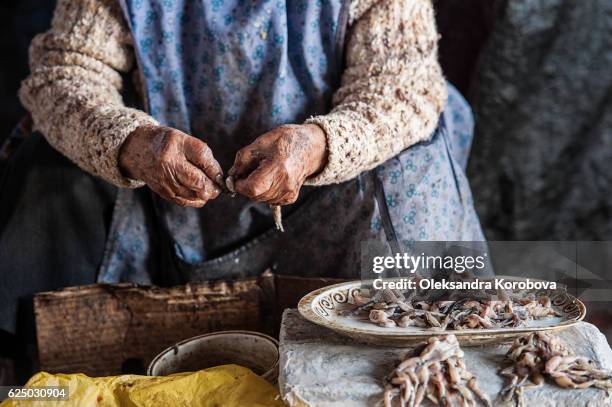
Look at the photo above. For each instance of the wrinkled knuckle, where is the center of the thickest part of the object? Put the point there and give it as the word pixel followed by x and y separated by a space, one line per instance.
pixel 254 189
pixel 241 156
pixel 205 151
pixel 197 180
pixel 198 147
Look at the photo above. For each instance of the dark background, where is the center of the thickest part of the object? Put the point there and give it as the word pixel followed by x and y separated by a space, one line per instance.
pixel 19 22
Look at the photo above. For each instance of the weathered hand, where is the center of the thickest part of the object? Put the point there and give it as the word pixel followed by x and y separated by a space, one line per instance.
pixel 273 168
pixel 176 166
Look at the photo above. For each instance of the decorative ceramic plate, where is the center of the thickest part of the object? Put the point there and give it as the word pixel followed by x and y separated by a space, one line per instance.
pixel 324 306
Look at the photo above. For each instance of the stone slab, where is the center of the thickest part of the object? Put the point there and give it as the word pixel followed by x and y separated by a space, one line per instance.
pixel 319 367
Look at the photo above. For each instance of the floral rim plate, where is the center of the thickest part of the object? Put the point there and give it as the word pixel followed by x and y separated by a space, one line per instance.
pixel 321 307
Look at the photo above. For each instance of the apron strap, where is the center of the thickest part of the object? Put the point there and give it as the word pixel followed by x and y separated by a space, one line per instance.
pixel 383 208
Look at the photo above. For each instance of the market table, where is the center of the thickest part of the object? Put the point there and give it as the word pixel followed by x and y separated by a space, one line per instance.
pixel 319 367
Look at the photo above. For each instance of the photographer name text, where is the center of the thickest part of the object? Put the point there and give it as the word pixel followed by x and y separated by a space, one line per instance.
pixel 476 284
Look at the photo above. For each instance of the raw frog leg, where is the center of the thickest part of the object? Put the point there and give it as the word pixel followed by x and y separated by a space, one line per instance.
pixel 228 185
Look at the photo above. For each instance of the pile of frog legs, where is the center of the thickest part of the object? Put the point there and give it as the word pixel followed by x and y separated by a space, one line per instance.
pixel 436 371
pixel 537 356
pixel 391 308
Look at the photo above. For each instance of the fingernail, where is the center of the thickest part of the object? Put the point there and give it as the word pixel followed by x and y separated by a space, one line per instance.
pixel 229 182
pixel 219 179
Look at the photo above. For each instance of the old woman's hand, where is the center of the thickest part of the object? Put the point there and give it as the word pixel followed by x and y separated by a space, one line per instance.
pixel 176 166
pixel 273 168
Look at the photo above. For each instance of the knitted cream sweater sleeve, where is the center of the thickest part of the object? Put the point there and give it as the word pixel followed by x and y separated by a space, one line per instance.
pixel 392 91
pixel 391 95
pixel 73 91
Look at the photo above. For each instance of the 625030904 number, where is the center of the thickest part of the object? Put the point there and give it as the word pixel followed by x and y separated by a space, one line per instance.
pixel 46 393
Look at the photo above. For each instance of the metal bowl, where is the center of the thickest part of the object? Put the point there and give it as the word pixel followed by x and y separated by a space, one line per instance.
pixel 252 350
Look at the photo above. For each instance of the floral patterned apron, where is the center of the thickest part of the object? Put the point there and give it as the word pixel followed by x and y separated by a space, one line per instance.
pixel 227 71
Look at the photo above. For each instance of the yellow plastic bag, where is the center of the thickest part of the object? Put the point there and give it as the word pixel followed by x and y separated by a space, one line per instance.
pixel 220 386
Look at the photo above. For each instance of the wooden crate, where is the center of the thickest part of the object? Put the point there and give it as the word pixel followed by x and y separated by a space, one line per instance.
pixel 110 329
